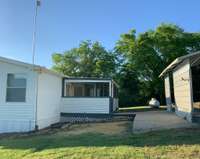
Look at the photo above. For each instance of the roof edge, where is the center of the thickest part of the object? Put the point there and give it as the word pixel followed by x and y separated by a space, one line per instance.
pixel 177 61
pixel 30 66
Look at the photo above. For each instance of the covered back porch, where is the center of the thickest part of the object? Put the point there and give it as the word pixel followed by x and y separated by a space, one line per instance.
pixel 89 96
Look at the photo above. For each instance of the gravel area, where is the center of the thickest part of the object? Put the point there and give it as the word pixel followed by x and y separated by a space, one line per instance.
pixel 158 120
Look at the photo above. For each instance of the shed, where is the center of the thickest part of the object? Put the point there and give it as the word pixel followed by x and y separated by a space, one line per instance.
pixel 182 86
pixel 29 96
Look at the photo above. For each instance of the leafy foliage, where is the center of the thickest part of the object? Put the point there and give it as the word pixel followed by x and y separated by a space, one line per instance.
pixel 88 60
pixel 129 87
pixel 150 52
pixel 135 63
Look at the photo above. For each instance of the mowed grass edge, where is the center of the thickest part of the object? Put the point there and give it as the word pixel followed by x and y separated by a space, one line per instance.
pixel 180 143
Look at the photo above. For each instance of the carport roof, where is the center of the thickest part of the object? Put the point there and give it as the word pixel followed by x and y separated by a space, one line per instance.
pixel 178 61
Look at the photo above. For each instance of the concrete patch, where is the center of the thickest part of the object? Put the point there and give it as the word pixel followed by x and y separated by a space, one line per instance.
pixel 158 120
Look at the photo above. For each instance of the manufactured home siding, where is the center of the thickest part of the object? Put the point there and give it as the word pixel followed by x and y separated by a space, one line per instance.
pixel 49 98
pixel 182 87
pixel 17 116
pixel 85 105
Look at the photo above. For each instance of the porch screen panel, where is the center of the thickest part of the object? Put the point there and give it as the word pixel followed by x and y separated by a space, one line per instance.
pixel 87 89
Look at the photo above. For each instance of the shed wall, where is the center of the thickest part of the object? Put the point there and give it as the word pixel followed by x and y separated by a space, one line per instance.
pixel 182 89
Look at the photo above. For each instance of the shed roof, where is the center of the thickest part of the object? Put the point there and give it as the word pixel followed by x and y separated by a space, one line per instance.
pixel 177 61
pixel 31 66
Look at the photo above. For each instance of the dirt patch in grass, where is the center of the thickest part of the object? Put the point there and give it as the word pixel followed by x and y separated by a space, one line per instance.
pixel 108 128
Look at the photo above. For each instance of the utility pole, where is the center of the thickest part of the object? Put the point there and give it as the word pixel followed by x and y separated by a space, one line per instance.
pixel 37 4
pixel 33 55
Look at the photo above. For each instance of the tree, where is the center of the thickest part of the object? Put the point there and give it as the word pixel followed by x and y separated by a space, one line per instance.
pixel 150 52
pixel 128 87
pixel 88 60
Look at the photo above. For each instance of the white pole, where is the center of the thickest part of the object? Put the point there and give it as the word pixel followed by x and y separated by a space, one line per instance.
pixel 34 32
pixel 33 56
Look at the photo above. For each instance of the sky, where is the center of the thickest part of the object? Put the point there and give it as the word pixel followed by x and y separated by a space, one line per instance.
pixel 63 24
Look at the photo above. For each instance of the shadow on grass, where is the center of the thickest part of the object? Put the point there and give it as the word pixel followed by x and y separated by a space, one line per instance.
pixel 158 138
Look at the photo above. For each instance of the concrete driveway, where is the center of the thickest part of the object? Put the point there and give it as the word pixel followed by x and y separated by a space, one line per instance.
pixel 158 120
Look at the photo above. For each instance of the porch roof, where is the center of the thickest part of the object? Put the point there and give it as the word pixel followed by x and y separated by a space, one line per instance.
pixel 87 78
pixel 177 61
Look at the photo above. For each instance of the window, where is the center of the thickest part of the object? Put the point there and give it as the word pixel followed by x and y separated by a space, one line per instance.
pixel 90 90
pixel 78 90
pixel 102 89
pixel 87 89
pixel 16 88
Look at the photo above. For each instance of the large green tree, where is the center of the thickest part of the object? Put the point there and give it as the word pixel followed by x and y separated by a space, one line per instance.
pixel 135 63
pixel 150 52
pixel 87 60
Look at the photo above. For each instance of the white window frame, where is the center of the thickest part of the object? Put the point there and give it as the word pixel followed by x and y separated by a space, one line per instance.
pixel 22 74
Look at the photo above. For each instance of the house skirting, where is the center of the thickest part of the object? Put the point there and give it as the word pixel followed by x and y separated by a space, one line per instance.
pixel 87 117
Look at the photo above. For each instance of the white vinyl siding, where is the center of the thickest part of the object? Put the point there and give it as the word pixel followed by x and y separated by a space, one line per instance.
pixel 17 116
pixel 182 87
pixel 85 105
pixel 49 98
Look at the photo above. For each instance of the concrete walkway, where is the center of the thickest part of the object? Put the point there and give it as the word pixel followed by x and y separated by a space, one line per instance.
pixel 158 120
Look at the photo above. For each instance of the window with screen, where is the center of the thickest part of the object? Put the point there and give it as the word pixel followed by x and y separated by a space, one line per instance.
pixel 16 88
pixel 87 89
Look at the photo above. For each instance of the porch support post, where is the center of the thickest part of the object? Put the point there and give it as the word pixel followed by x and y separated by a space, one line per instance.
pixel 168 92
pixel 95 89
pixel 191 87
pixel 113 89
pixel 110 89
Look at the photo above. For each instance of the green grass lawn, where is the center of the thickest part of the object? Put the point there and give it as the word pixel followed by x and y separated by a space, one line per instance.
pixel 176 144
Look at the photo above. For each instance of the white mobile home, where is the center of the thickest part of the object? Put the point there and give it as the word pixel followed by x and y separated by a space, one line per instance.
pixel 33 97
pixel 182 86
pixel 29 96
